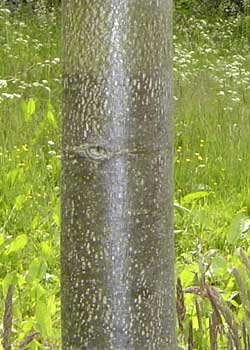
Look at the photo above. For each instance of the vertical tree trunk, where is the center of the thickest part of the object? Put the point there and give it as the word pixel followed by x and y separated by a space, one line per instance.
pixel 117 240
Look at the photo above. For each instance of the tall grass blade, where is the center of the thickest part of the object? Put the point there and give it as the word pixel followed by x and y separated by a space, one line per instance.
pixel 245 260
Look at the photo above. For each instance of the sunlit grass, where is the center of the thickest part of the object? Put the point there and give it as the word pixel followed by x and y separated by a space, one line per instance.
pixel 212 108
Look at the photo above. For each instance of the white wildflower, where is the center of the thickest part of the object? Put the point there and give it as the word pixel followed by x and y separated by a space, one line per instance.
pixel 221 93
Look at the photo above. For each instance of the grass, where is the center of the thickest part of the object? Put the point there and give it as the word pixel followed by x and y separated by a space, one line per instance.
pixel 212 157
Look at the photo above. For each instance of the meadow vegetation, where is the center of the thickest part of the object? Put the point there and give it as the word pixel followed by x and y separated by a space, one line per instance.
pixel 212 178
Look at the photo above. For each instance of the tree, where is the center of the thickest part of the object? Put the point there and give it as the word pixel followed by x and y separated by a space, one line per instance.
pixel 117 240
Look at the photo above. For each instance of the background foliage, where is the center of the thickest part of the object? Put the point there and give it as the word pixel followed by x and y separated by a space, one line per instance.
pixel 212 7
pixel 212 179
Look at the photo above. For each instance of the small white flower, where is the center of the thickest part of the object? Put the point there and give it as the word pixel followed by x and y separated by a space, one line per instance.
pixel 4 10
pixel 51 143
pixel 10 96
pixel 36 84
pixel 221 93
pixel 48 276
pixel 236 99
pixel 3 83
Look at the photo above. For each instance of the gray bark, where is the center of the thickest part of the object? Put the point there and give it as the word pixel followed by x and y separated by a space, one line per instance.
pixel 117 239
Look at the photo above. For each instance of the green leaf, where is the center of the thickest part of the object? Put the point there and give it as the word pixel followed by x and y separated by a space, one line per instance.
pixel 51 119
pixel 31 107
pixel 56 219
pixel 52 305
pixel 14 175
pixel 43 318
pixel 19 201
pixel 234 231
pixel 218 264
pixel 1 240
pixel 35 223
pixel 38 292
pixel 28 109
pixel 37 270
pixel 189 198
pixel 17 244
pixel 10 278
pixel 234 303
pixel 46 250
pixel 187 278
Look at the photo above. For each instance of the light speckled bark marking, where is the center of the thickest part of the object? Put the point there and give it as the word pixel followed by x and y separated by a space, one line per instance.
pixel 117 244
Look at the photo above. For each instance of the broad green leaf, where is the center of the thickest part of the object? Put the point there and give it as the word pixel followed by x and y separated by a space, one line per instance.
pixel 37 270
pixel 35 345
pixel 28 108
pixel 56 219
pixel 1 240
pixel 241 315
pixel 14 175
pixel 46 249
pixel 37 292
pixel 43 318
pixel 218 264
pixel 187 278
pixel 51 119
pixel 195 323
pixel 234 231
pixel 27 326
pixel 49 106
pixel 31 107
pixel 51 305
pixel 17 244
pixel 19 201
pixel 189 198
pixel 35 223
pixel 10 278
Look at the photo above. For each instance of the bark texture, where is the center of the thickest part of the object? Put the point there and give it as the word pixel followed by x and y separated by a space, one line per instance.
pixel 117 240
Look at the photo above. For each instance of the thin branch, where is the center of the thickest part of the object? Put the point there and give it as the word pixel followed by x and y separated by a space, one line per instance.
pixel 198 314
pixel 7 319
pixel 190 336
pixel 180 305
pixel 28 339
pixel 213 324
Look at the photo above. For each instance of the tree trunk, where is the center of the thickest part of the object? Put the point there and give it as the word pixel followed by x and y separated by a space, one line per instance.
pixel 117 239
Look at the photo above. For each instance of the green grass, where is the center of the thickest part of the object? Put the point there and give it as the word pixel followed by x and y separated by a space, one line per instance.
pixel 212 178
